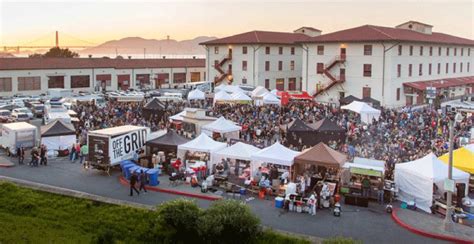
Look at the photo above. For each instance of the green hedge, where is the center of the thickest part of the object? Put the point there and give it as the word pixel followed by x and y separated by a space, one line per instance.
pixel 29 216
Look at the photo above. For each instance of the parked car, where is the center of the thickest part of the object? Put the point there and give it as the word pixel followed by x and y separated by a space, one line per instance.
pixel 23 110
pixel 5 116
pixel 9 107
pixel 20 102
pixel 20 117
pixel 38 110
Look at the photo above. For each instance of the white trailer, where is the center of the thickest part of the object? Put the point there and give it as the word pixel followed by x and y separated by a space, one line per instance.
pixel 14 135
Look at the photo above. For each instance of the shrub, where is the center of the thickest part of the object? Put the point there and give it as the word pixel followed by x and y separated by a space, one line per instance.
pixel 229 221
pixel 179 220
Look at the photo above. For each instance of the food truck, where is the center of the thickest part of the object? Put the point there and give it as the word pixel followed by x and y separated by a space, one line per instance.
pixel 18 134
pixel 108 147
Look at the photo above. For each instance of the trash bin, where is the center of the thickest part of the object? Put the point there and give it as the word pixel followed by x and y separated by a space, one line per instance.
pixel 126 170
pixel 279 202
pixel 125 162
pixel 152 177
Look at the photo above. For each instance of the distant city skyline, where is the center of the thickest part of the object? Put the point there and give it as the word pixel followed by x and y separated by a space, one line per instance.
pixel 22 22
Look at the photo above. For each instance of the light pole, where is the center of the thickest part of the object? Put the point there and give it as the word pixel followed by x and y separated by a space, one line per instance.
pixel 448 222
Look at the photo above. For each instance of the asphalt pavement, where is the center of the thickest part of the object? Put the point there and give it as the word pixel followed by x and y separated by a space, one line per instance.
pixel 371 225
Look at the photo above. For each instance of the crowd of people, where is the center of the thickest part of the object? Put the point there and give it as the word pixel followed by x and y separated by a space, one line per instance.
pixel 397 136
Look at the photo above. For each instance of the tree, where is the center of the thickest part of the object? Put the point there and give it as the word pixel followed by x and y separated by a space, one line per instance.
pixel 179 221
pixel 56 52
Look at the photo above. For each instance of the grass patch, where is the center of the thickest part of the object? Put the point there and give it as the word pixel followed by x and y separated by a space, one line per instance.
pixel 30 216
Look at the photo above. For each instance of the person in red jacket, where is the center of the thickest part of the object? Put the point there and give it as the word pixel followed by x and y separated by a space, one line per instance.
pixel 177 164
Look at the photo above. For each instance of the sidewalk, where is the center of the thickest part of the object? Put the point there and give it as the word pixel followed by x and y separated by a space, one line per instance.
pixel 432 226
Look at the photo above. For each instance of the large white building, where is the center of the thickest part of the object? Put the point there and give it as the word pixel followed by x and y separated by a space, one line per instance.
pixel 32 76
pixel 391 65
pixel 258 58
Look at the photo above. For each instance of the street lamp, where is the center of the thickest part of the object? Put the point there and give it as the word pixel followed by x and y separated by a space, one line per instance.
pixel 448 222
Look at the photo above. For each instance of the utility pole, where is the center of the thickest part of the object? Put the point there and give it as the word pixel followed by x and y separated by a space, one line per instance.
pixel 448 222
pixel 57 39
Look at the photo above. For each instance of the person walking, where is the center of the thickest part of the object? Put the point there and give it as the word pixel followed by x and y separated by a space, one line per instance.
pixel 142 181
pixel 44 159
pixel 133 181
pixel 21 154
pixel 34 157
pixel 84 152
pixel 72 155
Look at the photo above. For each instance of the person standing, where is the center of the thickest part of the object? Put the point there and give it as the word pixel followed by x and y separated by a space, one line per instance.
pixel 380 192
pixel 34 157
pixel 133 182
pixel 72 155
pixel 365 187
pixel 142 181
pixel 84 153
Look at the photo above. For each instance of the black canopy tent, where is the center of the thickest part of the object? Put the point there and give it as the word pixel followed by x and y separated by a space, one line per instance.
pixel 57 128
pixel 168 142
pixel 298 133
pixel 327 130
pixel 154 108
pixel 348 100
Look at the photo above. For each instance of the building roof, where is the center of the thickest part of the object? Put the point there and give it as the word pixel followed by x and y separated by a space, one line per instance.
pixel 260 37
pixel 371 33
pixel 440 83
pixel 89 63
pixel 309 28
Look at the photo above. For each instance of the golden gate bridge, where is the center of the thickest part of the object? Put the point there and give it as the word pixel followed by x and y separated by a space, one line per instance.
pixel 46 42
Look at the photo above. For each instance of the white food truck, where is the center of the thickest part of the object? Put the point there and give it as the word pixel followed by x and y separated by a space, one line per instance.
pixel 18 134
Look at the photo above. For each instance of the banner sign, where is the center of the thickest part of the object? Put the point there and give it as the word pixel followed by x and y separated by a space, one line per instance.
pixel 123 147
pixel 368 172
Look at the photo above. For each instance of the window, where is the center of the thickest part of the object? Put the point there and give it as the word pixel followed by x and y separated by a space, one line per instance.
pixel 280 84
pixel 104 79
pixel 319 68
pixel 267 65
pixel 58 81
pixel 292 65
pixel 244 80
pixel 216 50
pixel 280 65
pixel 195 76
pixel 244 50
pixel 420 69
pixel 468 66
pixel 468 52
pixel 267 83
pixel 5 84
pixel 400 49
pixel 267 50
pixel 320 50
pixel 439 51
pixel 80 81
pixel 447 51
pixel 447 68
pixel 439 68
pixel 431 51
pixel 367 50
pixel 280 50
pixel 460 67
pixel 179 77
pixel 399 70
pixel 455 51
pixel 398 94
pixel 462 51
pixel 411 50
pixel 421 50
pixel 244 65
pixel 29 83
pixel 292 50
pixel 429 69
pixel 367 70
pixel 454 68
pixel 410 70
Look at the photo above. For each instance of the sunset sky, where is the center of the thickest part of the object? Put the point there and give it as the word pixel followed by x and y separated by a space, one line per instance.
pixel 23 22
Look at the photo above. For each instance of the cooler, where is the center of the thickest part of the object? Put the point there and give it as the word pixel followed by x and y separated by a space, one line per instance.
pixel 279 202
pixel 152 177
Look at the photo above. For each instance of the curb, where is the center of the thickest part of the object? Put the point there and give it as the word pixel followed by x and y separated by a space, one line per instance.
pixel 124 182
pixel 425 233
pixel 6 165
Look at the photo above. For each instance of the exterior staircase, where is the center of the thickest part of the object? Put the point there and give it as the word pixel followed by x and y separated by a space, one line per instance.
pixel 334 79
pixel 219 67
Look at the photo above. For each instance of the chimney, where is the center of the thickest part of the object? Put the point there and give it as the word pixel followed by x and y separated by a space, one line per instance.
pixel 90 55
pixel 194 57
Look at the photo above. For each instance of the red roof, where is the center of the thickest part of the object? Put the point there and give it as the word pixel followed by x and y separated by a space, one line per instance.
pixel 440 83
pixel 260 37
pixel 369 33
pixel 89 63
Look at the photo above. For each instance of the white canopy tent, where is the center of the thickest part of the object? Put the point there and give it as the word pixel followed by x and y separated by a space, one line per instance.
pixel 415 180
pixel 223 126
pixel 275 154
pixel 196 94
pixel 228 88
pixel 259 91
pixel 239 150
pixel 367 113
pixel 240 97
pixel 222 96
pixel 274 92
pixel 178 116
pixel 470 147
pixel 269 98
pixel 202 143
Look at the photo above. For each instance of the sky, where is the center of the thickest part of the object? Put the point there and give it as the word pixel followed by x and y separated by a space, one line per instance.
pixel 94 22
